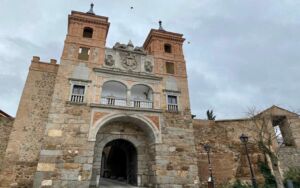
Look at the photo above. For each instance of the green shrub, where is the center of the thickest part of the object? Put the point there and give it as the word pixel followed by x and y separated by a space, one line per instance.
pixel 270 181
pixel 239 184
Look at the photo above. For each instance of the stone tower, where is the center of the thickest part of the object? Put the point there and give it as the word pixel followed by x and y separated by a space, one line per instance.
pixel 118 113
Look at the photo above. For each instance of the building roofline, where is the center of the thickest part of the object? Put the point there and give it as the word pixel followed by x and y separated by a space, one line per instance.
pixel 5 114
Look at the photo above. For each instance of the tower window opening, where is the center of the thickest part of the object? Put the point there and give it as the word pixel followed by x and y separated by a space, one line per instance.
pixel 88 32
pixel 168 48
pixel 282 131
pixel 172 103
pixel 170 68
pixel 78 93
pixel 83 53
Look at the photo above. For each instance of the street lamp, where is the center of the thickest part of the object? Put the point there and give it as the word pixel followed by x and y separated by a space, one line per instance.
pixel 210 179
pixel 244 140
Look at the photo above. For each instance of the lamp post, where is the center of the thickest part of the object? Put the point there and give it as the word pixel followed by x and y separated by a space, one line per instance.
pixel 244 140
pixel 210 179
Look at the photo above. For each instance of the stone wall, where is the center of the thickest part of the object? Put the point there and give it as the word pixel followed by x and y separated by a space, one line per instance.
pixel 28 129
pixel 176 162
pixel 289 156
pixel 5 129
pixel 228 157
pixel 65 158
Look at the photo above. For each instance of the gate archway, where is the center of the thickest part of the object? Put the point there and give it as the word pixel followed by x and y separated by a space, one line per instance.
pixel 123 151
pixel 119 161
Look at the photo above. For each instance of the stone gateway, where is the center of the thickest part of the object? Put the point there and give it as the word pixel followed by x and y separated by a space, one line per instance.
pixel 122 115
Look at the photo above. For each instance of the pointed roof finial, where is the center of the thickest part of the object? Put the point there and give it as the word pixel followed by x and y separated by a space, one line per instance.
pixel 130 43
pixel 160 25
pixel 91 11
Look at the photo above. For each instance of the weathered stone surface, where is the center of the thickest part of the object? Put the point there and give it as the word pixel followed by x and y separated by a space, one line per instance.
pixel 29 126
pixel 46 183
pixel 5 130
pixel 51 152
pixel 69 174
pixel 54 133
pixel 46 167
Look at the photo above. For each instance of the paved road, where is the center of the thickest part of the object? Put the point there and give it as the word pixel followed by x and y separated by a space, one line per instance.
pixel 113 183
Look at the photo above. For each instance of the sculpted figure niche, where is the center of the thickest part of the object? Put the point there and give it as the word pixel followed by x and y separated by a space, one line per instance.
pixel 109 60
pixel 148 66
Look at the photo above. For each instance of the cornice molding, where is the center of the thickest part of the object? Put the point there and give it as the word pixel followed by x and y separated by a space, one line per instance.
pixel 130 74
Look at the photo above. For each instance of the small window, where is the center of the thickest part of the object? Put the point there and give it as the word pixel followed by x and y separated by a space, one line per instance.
pixel 83 53
pixel 172 103
pixel 87 32
pixel 168 48
pixel 282 131
pixel 78 93
pixel 170 68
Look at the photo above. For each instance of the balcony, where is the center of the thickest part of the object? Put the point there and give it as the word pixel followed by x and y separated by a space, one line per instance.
pixel 112 101
pixel 116 94
pixel 172 108
pixel 77 98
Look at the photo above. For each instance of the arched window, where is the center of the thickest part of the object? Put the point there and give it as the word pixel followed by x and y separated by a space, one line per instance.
pixel 114 93
pixel 168 48
pixel 141 96
pixel 87 32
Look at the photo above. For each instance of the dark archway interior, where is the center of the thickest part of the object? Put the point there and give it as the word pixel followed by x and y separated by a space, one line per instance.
pixel 119 161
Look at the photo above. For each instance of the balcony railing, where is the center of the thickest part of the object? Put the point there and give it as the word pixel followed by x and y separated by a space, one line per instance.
pixel 141 104
pixel 172 107
pixel 112 101
pixel 77 98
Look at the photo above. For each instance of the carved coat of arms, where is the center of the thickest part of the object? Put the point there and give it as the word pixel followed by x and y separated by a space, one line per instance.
pixel 129 62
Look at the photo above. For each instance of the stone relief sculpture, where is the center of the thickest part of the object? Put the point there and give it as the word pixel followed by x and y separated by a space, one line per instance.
pixel 129 62
pixel 148 66
pixel 139 49
pixel 109 60
pixel 120 46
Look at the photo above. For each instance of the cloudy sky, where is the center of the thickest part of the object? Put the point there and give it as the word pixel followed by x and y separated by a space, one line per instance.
pixel 242 53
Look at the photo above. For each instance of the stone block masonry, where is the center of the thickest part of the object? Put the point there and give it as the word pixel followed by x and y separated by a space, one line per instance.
pixel 6 123
pixel 22 153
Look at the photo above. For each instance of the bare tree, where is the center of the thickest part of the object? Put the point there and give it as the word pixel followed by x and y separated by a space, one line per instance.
pixel 268 139
pixel 210 115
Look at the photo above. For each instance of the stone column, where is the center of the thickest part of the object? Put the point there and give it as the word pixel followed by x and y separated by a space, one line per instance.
pixel 156 100
pixel 128 97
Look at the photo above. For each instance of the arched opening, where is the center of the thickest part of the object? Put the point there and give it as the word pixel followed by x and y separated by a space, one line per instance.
pixel 122 139
pixel 114 93
pixel 141 96
pixel 121 161
pixel 87 32
pixel 168 48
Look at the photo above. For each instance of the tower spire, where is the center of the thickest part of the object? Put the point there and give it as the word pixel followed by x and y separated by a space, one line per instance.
pixel 160 25
pixel 91 11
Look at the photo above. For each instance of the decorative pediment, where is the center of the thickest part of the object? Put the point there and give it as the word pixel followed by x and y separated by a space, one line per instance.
pixel 126 57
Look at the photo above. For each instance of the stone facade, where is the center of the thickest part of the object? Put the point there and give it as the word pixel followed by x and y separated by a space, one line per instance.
pixel 6 122
pixel 123 105
pixel 22 153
